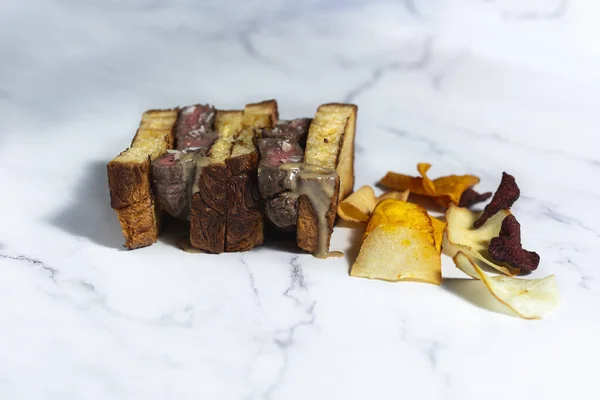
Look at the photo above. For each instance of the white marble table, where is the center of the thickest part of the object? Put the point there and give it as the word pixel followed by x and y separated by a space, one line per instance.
pixel 470 86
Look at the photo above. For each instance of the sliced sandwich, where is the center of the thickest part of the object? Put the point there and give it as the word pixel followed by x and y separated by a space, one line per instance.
pixel 226 212
pixel 173 173
pixel 330 146
pixel 281 145
pixel 208 215
pixel 245 221
pixel 129 178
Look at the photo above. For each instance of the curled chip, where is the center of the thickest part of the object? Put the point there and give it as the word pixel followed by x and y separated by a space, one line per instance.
pixel 470 197
pixel 507 246
pixel 396 253
pixel 428 185
pixel 529 298
pixel 474 242
pixel 507 193
pixel 359 205
pixel 444 190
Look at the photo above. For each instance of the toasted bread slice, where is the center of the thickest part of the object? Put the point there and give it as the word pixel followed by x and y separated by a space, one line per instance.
pixel 263 115
pixel 330 144
pixel 129 178
pixel 245 220
pixel 208 216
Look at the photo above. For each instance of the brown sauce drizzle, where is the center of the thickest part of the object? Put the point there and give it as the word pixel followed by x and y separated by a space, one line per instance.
pixel 318 185
pixel 199 163
pixel 192 162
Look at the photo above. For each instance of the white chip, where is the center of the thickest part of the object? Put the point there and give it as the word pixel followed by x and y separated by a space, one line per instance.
pixel 474 242
pixel 529 298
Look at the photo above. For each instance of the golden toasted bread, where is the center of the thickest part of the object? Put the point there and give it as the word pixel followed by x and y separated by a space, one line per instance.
pixel 330 144
pixel 129 178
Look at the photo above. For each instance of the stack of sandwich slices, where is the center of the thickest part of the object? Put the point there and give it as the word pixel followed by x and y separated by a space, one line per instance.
pixel 227 172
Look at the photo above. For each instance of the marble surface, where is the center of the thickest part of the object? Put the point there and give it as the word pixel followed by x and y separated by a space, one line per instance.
pixel 470 86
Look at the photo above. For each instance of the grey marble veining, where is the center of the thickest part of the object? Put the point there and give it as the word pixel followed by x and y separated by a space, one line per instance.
pixel 470 86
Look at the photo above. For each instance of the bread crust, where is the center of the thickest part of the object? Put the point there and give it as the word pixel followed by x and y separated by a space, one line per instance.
pixel 209 234
pixel 245 221
pixel 128 183
pixel 130 188
pixel 208 215
pixel 140 223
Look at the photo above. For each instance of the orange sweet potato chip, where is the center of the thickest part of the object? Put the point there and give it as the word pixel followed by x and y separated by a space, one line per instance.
pixel 444 190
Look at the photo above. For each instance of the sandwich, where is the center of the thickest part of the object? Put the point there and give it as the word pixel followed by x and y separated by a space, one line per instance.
pixel 245 221
pixel 226 172
pixel 208 214
pixel 173 173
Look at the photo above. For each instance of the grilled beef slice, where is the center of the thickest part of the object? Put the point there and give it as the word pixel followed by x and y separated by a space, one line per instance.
pixel 282 211
pixel 295 129
pixel 173 173
pixel 194 127
pixel 173 177
pixel 274 182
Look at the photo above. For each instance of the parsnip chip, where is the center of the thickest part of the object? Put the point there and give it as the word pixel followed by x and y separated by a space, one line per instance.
pixel 359 205
pixel 438 232
pixel 475 242
pixel 444 190
pixel 528 298
pixel 396 253
pixel 402 213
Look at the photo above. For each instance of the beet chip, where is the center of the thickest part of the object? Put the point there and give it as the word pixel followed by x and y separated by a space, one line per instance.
pixel 507 246
pixel 507 193
pixel 470 197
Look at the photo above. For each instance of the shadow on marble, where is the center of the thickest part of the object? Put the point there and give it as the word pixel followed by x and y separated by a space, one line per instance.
pixel 426 202
pixel 281 241
pixel 88 214
pixel 354 240
pixel 173 231
pixel 475 292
